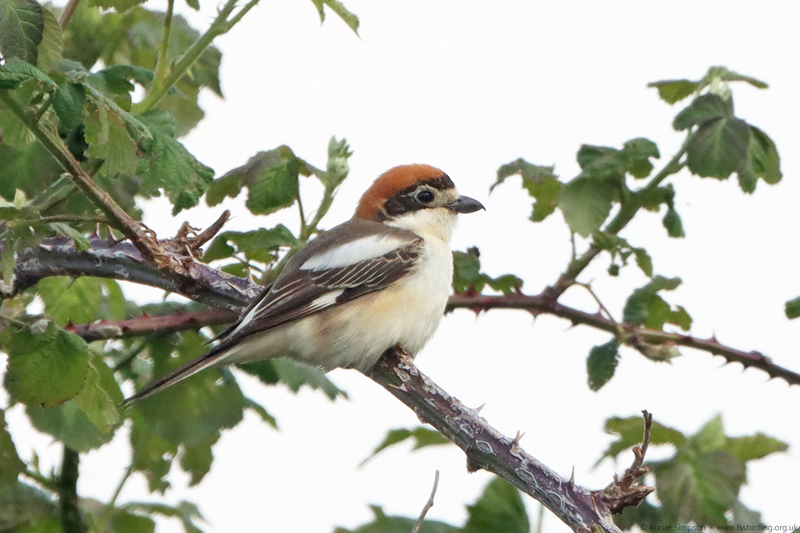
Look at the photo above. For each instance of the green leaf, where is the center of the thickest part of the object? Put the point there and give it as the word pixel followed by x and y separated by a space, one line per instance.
pixel 229 185
pixel 197 459
pixel 601 162
pixel 22 504
pixel 724 74
pixel 125 522
pixel 45 368
pixel 167 164
pixel 100 395
pixel 51 46
pixel 646 308
pixel 792 307
pixel 21 27
pixel 8 262
pixel 644 261
pixel 337 7
pixel 762 161
pixel 719 147
pixel 753 447
pixel 421 436
pixel 69 424
pixel 638 152
pixel 185 511
pixel 672 222
pixel 672 91
pixel 198 407
pixel 295 374
pixel 68 101
pixel 468 279
pixel 260 245
pixel 540 182
pixel 703 109
pixel 500 508
pixel 109 140
pixel 152 455
pixel 17 71
pixel 10 463
pixel 272 180
pixel 66 300
pixel 700 487
pixel 602 363
pixel 585 203
pixel 630 432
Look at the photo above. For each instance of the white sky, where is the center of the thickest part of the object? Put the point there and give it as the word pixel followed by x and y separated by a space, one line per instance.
pixel 468 86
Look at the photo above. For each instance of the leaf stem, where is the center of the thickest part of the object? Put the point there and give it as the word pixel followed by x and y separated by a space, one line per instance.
pixel 121 484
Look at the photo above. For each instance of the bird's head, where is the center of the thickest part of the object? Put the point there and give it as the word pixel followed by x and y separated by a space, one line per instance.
pixel 419 198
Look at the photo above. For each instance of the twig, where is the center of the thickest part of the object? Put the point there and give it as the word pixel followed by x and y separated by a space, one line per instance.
pixel 485 448
pixel 71 518
pixel 428 504
pixel 152 325
pixel 626 491
pixel 57 257
pixel 66 15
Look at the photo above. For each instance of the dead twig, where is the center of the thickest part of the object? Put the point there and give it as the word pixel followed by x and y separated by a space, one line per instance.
pixel 627 492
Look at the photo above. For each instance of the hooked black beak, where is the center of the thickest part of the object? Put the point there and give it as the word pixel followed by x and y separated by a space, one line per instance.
pixel 465 204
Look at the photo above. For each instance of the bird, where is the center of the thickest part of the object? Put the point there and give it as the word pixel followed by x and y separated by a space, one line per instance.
pixel 378 280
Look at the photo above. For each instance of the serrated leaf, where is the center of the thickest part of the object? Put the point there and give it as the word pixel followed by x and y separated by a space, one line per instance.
pixel 793 308
pixel 229 185
pixel 186 512
pixel 99 397
pixel 197 459
pixel 500 508
pixel 672 91
pixel 131 523
pixel 68 423
pixel 540 182
pixel 79 239
pixel 152 455
pixel 337 7
pixel 645 307
pixel 724 74
pixel 421 436
pixel 703 109
pixel 47 368
pixel 718 148
pixel 761 161
pixel 585 203
pixel 259 245
pixel 21 504
pixel 10 463
pixel 68 101
pixel 271 178
pixel 52 45
pixel 109 140
pixel 638 152
pixel 66 300
pixel 21 27
pixel 700 488
pixel 602 363
pixel 16 71
pixel 601 162
pixel 169 166
pixel 630 432
pixel 198 407
pixel 753 447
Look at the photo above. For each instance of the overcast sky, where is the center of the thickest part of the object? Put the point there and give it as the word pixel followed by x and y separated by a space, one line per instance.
pixel 468 86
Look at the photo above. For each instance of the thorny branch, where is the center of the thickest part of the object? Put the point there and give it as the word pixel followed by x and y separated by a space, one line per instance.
pixel 486 448
pixel 57 257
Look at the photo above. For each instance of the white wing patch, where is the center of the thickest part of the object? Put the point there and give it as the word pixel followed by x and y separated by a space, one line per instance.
pixel 353 252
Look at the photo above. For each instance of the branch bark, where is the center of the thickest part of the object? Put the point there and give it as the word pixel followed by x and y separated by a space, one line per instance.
pixel 486 448
pixel 201 283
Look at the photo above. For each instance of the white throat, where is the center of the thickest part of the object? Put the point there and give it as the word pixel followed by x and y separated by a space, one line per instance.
pixel 436 223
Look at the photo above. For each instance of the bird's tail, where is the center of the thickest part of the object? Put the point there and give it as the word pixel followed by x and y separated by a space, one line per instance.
pixel 191 368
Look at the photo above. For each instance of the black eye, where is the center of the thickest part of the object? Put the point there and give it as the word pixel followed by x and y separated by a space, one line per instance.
pixel 425 197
